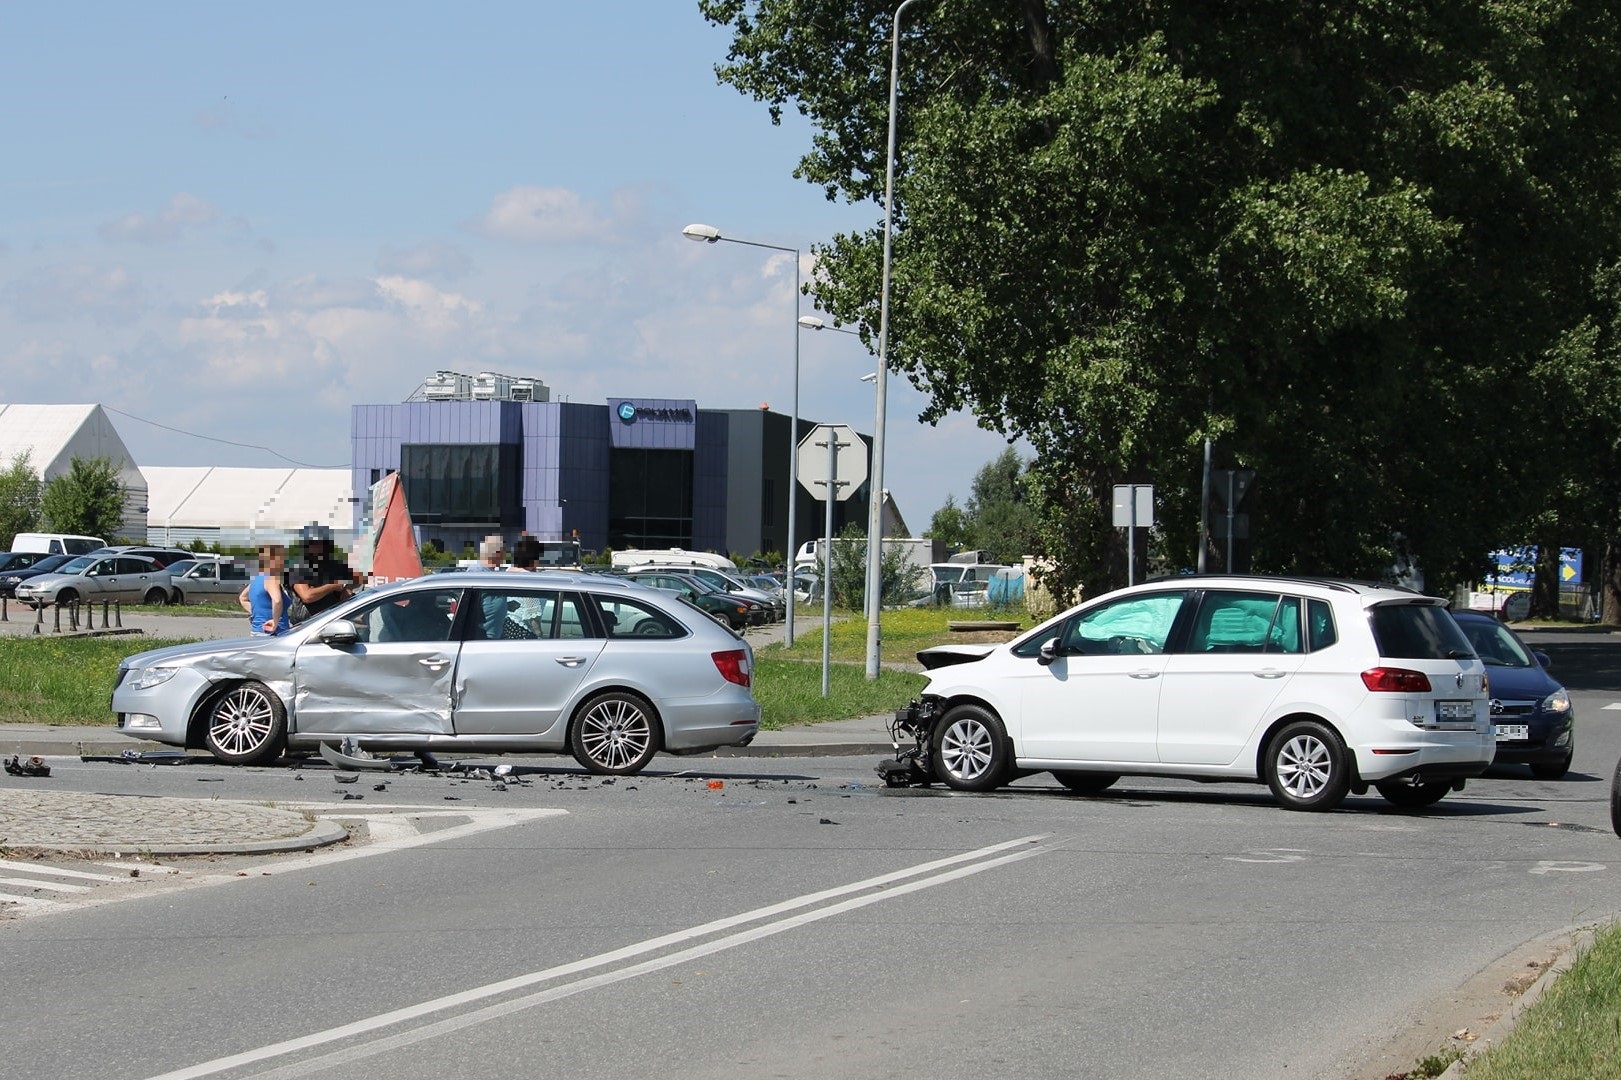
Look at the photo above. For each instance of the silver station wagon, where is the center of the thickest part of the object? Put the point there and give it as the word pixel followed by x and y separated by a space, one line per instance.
pixel 604 669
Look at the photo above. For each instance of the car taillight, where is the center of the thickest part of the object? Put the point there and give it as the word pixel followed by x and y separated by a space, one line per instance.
pixel 1393 680
pixel 732 665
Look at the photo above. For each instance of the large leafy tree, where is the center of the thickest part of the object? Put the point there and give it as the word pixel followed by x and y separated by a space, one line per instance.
pixel 88 499
pixel 1344 241
pixel 19 499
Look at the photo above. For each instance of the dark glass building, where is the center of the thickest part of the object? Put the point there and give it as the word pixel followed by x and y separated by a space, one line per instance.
pixel 636 472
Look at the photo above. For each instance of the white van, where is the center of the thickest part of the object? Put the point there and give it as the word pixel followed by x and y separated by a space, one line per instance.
pixel 56 543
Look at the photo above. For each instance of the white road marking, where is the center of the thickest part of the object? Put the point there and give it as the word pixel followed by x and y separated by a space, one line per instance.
pixel 57 871
pixel 1551 867
pixel 872 891
pixel 48 886
pixel 1271 855
pixel 1614 706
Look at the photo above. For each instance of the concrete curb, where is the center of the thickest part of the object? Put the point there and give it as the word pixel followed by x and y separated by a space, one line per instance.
pixel 321 834
pixel 1575 941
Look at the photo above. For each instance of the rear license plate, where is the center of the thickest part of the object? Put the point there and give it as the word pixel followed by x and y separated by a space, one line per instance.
pixel 1513 732
pixel 1455 710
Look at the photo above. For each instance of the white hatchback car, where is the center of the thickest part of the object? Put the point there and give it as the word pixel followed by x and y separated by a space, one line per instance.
pixel 1319 688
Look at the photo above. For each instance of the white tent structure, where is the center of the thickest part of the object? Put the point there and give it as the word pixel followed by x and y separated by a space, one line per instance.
pixel 53 435
pixel 246 507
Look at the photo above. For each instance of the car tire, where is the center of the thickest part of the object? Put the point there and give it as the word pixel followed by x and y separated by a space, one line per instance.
pixel 246 725
pixel 614 734
pixel 1551 770
pixel 63 598
pixel 1615 800
pixel 1307 767
pixel 970 749
pixel 1086 783
pixel 1413 796
pixel 178 598
pixel 157 597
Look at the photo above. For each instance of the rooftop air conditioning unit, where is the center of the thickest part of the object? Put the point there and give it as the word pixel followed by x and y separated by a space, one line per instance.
pixel 444 386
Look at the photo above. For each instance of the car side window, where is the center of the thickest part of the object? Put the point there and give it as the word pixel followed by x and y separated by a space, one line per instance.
pixel 625 617
pixel 1320 631
pixel 1233 622
pixel 204 570
pixel 1137 624
pixel 233 572
pixel 102 568
pixel 422 615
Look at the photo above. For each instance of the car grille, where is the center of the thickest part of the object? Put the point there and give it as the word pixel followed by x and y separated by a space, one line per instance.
pixel 1503 710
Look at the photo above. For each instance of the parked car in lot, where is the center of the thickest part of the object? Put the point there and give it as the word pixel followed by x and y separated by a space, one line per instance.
pixel 1532 715
pixel 607 670
pixel 736 612
pixel 98 577
pixel 163 556
pixel 1317 688
pixel 206 579
pixel 10 579
pixel 727 583
pixel 19 560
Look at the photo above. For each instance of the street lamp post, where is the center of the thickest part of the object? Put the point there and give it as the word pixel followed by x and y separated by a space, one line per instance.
pixel 875 511
pixel 708 234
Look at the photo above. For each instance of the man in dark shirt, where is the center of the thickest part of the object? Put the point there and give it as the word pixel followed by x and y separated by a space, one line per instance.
pixel 321 580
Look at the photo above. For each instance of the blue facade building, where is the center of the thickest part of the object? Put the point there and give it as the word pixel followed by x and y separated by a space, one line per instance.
pixel 635 472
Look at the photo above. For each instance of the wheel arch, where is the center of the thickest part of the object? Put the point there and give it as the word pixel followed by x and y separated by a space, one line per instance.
pixel 1284 721
pixel 197 723
pixel 586 696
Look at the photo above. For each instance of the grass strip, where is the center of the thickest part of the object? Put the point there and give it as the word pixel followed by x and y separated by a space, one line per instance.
pixel 790 691
pixel 1573 1031
pixel 60 680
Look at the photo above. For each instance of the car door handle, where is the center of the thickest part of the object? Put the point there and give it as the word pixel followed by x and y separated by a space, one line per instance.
pixel 570 661
pixel 433 661
pixel 1144 674
pixel 1269 673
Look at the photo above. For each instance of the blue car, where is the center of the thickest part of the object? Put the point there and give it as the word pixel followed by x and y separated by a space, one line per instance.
pixel 1531 710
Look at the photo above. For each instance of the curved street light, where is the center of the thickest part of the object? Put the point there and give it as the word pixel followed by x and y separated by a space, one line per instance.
pixel 708 234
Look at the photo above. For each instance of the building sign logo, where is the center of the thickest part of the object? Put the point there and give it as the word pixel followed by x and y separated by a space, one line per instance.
pixel 629 413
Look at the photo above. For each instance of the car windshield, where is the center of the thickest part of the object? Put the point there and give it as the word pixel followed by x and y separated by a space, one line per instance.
pixel 75 565
pixel 1496 645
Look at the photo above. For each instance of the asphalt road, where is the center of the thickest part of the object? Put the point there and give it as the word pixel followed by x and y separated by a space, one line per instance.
pixel 798 920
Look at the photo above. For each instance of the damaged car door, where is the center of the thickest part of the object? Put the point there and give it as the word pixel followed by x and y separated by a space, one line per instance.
pixel 394 677
pixel 527 650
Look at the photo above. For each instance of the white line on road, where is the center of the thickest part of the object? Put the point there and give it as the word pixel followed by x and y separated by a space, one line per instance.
pixel 875 890
pixel 56 871
pixel 48 886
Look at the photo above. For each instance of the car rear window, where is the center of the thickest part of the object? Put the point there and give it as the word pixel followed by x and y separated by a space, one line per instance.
pixel 1417 632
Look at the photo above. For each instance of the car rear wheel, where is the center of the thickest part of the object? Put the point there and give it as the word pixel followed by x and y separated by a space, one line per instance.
pixel 614 734
pixel 157 597
pixel 1086 783
pixel 1615 800
pixel 1414 796
pixel 246 725
pixel 970 749
pixel 1307 767
pixel 1551 770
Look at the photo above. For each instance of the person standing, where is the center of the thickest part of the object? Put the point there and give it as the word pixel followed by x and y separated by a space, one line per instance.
pixel 491 550
pixel 323 581
pixel 264 598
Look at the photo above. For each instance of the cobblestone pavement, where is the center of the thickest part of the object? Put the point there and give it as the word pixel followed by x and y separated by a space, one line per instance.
pixel 75 821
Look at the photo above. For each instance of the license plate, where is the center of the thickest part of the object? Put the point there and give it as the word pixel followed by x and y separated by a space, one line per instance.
pixel 1455 710
pixel 1513 732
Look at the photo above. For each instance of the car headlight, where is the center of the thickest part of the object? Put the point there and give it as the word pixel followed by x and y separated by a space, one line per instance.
pixel 148 677
pixel 1557 702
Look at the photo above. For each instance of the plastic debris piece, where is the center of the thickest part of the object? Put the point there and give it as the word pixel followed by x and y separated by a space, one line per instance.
pixel 34 766
pixel 716 785
pixel 346 778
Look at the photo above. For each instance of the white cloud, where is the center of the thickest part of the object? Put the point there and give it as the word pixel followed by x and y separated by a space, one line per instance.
pixel 543 215
pixel 185 211
pixel 436 261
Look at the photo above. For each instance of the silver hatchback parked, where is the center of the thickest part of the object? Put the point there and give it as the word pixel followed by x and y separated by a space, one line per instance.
pixel 550 662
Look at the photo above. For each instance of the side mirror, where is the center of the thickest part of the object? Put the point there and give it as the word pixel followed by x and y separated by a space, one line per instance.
pixel 1542 658
pixel 340 632
pixel 1048 653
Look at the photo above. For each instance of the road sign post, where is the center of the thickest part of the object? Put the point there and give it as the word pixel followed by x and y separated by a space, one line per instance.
pixel 832 476
pixel 1133 506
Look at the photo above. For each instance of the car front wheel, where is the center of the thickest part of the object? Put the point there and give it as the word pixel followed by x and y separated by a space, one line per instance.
pixel 64 598
pixel 246 725
pixel 614 734
pixel 970 749
pixel 1414 796
pixel 1307 767
pixel 1551 770
pixel 1615 800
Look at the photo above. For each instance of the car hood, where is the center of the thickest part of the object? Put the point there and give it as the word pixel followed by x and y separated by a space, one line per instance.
pixel 1520 682
pixel 940 656
pixel 48 579
pixel 199 651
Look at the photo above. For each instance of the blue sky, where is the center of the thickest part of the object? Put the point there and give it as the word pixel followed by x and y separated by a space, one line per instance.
pixel 240 221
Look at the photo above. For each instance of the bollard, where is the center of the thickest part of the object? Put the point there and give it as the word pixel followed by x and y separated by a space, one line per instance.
pixel 39 618
pixel 118 612
pixel 3 617
pixel 57 628
pixel 104 623
pixel 73 615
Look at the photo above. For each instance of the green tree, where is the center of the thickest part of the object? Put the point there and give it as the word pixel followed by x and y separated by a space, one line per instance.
pixel 1002 522
pixel 1339 240
pixel 19 499
pixel 949 525
pixel 87 499
pixel 898 579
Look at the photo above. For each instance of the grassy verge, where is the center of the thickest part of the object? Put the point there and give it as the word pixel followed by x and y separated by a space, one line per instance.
pixel 53 680
pixel 790 691
pixel 1573 1032
pixel 905 632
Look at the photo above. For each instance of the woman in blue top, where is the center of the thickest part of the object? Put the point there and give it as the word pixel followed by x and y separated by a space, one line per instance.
pixel 265 598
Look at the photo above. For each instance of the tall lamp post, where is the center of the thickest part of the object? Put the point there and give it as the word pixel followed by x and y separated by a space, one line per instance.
pixel 875 510
pixel 708 234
